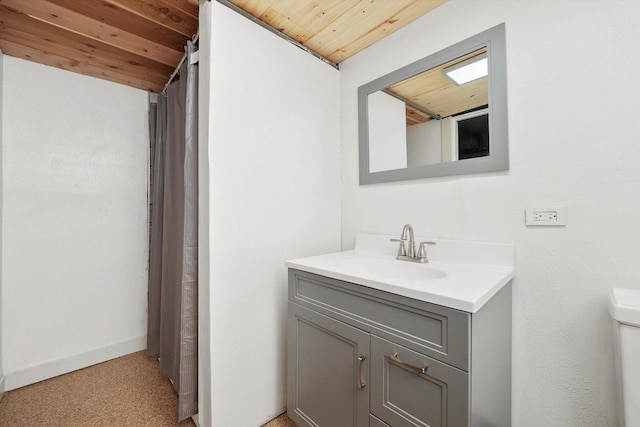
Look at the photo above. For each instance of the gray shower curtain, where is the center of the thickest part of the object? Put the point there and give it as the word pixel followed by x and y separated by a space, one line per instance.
pixel 172 331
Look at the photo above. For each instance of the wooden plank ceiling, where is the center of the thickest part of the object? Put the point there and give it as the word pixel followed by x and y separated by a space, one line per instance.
pixel 337 29
pixel 134 42
pixel 434 92
pixel 140 42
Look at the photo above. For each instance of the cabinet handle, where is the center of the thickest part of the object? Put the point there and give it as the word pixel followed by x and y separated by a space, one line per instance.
pixel 361 383
pixel 421 370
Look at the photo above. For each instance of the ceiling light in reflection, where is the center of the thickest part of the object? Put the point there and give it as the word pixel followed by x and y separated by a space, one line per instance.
pixel 468 70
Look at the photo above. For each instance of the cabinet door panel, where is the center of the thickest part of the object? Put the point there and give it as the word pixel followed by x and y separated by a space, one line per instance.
pixel 375 422
pixel 325 371
pixel 401 395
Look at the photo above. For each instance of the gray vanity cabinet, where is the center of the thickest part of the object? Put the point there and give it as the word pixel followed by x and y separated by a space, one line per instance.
pixel 330 365
pixel 364 357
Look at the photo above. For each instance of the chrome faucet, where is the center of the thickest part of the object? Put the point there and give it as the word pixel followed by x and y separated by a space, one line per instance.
pixel 410 254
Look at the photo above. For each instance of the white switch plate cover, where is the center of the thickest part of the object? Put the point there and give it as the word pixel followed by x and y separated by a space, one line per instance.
pixel 552 216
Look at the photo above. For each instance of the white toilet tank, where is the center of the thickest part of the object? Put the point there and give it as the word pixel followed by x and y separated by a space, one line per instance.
pixel 625 310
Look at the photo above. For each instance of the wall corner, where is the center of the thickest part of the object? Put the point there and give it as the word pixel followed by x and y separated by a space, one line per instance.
pixel 204 417
pixel 1 211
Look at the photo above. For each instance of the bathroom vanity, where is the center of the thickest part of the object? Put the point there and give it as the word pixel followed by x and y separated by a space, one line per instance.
pixel 374 341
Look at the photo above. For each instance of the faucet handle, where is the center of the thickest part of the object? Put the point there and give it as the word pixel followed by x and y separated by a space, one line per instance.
pixel 422 252
pixel 402 250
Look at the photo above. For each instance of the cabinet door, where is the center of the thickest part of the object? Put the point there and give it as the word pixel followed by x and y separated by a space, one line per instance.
pixel 375 422
pixel 402 395
pixel 328 367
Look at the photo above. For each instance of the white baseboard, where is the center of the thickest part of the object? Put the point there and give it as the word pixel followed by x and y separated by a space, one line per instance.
pixel 1 386
pixel 54 368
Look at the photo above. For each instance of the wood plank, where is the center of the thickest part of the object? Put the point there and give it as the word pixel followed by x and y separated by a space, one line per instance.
pixel 189 6
pixel 164 14
pixel 365 24
pixel 114 16
pixel 337 29
pixel 283 24
pixel 46 58
pixel 254 7
pixel 80 24
pixel 435 92
pixel 314 16
pixel 415 117
pixel 299 20
pixel 22 29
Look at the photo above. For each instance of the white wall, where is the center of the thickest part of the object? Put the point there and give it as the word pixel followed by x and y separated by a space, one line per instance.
pixel 425 142
pixel 573 129
pixel 1 204
pixel 74 221
pixel 274 194
pixel 387 132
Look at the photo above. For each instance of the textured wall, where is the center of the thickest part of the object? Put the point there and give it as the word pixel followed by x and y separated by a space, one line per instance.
pixel 573 127
pixel 273 153
pixel 74 220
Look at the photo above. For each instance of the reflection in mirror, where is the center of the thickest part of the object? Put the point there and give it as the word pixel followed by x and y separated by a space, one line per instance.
pixel 442 115
pixel 433 117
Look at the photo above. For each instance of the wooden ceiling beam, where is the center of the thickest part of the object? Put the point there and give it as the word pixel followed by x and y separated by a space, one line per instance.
pixel 22 29
pixel 166 15
pixel 415 117
pixel 99 31
pixel 47 58
pixel 115 16
pixel 189 6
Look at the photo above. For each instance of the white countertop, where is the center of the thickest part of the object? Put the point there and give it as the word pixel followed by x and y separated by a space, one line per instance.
pixel 474 271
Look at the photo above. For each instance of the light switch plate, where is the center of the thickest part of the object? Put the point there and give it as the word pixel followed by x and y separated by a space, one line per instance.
pixel 552 216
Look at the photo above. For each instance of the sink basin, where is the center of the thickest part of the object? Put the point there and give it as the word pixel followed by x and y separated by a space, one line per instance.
pixel 390 268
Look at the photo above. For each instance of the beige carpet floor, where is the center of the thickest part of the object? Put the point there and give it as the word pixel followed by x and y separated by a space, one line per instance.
pixel 127 391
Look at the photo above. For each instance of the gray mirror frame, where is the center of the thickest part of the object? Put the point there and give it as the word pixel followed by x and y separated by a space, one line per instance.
pixel 498 159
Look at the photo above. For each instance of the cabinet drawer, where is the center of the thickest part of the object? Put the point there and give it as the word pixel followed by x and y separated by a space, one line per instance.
pixel 403 396
pixel 437 331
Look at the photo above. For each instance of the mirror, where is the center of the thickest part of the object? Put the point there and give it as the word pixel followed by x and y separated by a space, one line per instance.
pixel 443 115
